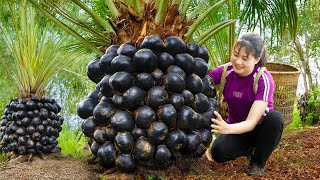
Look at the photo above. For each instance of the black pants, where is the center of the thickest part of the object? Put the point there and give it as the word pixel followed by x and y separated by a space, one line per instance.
pixel 264 138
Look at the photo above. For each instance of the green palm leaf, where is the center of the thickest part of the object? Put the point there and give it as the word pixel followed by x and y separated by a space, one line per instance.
pixel 37 53
pixel 278 16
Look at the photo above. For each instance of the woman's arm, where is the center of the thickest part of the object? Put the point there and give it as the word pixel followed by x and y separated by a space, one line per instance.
pixel 257 110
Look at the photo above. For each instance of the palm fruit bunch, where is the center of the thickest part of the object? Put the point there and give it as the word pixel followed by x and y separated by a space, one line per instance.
pixel 152 104
pixel 30 126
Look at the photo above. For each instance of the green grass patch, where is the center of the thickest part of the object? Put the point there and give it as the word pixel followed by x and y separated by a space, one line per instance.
pixel 72 144
pixel 2 157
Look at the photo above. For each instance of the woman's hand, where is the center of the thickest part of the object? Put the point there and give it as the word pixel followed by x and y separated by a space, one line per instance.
pixel 220 125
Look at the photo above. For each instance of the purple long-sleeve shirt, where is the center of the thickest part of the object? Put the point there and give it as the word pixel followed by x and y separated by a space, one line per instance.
pixel 238 92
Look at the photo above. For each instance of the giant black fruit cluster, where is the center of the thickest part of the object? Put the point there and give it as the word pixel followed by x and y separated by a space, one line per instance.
pixel 152 104
pixel 30 126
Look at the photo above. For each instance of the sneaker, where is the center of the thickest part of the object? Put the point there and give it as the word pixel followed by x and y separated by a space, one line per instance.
pixel 255 170
pixel 208 155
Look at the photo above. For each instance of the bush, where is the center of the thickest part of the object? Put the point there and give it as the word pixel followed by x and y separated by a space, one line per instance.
pixel 296 123
pixel 309 107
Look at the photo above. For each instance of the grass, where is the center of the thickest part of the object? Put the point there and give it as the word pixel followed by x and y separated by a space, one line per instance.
pixel 72 143
pixel 2 157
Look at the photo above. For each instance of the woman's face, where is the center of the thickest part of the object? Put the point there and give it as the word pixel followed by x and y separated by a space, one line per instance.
pixel 243 63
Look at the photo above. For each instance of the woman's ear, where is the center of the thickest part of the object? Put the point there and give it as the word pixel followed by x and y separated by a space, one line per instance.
pixel 257 60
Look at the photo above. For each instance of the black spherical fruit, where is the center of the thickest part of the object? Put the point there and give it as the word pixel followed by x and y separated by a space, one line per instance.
pixel 203 53
pixel 138 132
pixel 121 81
pixel 200 67
pixel 21 131
pixel 200 151
pixel 111 133
pixel 122 63
pixel 144 81
pixel 95 94
pixel 162 154
pixel 107 154
pixel 88 127
pixel 25 121
pixel 20 107
pixel 174 83
pixel 31 105
pixel 176 69
pixel 208 87
pixel 112 49
pixel 100 136
pixel 175 45
pixel 157 96
pixel 117 100
pixel 36 136
pixel 206 137
pixel 157 75
pixel 192 48
pixel 104 87
pixel 127 49
pixel 94 148
pixel 124 142
pixel 143 149
pixel 21 114
pixel 157 132
pixel 125 163
pixel 188 97
pixel 176 100
pixel 187 118
pixel 164 61
pixel 41 129
pixel 105 62
pixel 168 115
pixel 194 140
pixel 201 103
pixel 154 43
pixel 94 72
pixel 194 83
pixel 103 112
pixel 185 62
pixel 36 121
pixel 85 107
pixel 176 140
pixel 133 98
pixel 122 121
pixel 145 60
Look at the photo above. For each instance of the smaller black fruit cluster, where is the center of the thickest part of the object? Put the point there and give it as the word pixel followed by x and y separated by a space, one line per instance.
pixel 30 126
pixel 152 103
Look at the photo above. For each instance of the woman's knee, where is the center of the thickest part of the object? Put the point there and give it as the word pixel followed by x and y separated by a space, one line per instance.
pixel 274 118
pixel 218 154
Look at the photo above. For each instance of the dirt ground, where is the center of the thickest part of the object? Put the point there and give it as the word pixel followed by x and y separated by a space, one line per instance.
pixel 297 157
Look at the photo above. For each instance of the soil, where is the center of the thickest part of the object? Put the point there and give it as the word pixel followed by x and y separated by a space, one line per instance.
pixel 297 157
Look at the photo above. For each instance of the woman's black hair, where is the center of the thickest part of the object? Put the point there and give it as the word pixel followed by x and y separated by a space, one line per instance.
pixel 254 45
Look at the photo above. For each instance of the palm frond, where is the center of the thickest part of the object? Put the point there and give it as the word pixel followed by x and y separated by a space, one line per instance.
pixel 37 54
pixel 278 15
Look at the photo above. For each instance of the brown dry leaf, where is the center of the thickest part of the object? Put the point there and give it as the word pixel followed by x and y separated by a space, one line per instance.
pixel 171 13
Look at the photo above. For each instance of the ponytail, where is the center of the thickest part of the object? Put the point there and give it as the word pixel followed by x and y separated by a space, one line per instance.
pixel 263 57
